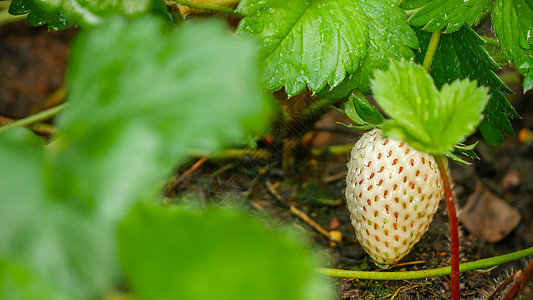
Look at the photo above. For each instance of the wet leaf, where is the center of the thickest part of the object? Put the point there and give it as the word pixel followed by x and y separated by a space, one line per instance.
pixel 512 21
pixel 37 15
pixel 453 14
pixel 461 55
pixel 90 13
pixel 390 37
pixel 311 43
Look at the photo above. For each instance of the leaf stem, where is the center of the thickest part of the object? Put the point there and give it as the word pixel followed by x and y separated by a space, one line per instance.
pixel 432 48
pixel 407 275
pixel 490 40
pixel 5 5
pixel 231 154
pixel 454 227
pixel 501 60
pixel 38 117
pixel 6 17
pixel 211 7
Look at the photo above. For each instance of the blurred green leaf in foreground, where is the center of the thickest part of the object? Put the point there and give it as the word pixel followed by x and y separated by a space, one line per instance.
pixel 218 254
pixel 139 97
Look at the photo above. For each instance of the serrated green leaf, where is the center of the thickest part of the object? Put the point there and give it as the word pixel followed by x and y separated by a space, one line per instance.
pixel 429 120
pixel 364 110
pixel 390 37
pixel 512 21
pixel 304 42
pixel 461 55
pixel 37 15
pixel 453 14
pixel 188 258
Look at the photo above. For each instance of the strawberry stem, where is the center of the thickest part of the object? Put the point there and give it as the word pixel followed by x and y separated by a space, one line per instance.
pixel 432 48
pixel 454 227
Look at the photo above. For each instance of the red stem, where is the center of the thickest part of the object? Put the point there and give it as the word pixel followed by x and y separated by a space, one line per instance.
pixel 454 227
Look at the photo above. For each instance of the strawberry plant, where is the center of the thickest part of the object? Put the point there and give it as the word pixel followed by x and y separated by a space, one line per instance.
pixel 83 213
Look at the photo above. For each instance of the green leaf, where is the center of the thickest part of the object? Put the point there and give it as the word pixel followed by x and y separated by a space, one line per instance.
pixel 512 21
pixel 429 120
pixel 159 8
pixel 196 255
pixel 528 78
pixel 350 112
pixel 195 88
pixel 140 99
pixel 452 14
pixel 466 150
pixel 364 110
pixel 460 55
pixel 55 245
pixel 60 14
pixel 90 13
pixel 305 42
pixel 390 37
pixel 19 282
pixel 37 15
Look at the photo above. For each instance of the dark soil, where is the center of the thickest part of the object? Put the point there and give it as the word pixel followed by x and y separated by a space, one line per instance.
pixel 33 63
pixel 308 173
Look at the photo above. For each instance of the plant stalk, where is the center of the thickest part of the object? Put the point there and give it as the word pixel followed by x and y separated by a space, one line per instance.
pixel 211 7
pixel 407 275
pixel 38 117
pixel 454 227
pixel 432 48
pixel 490 40
pixel 6 17
pixel 501 60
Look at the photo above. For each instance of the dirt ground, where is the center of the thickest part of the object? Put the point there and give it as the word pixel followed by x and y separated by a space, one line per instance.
pixel 308 173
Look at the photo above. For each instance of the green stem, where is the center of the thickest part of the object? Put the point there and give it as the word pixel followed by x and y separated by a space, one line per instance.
pixel 432 48
pixel 6 17
pixel 501 60
pixel 207 6
pixel 231 154
pixel 4 5
pixel 407 275
pixel 38 117
pixel 490 41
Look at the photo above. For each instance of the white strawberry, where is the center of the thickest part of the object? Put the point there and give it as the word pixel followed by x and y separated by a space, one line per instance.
pixel 392 191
